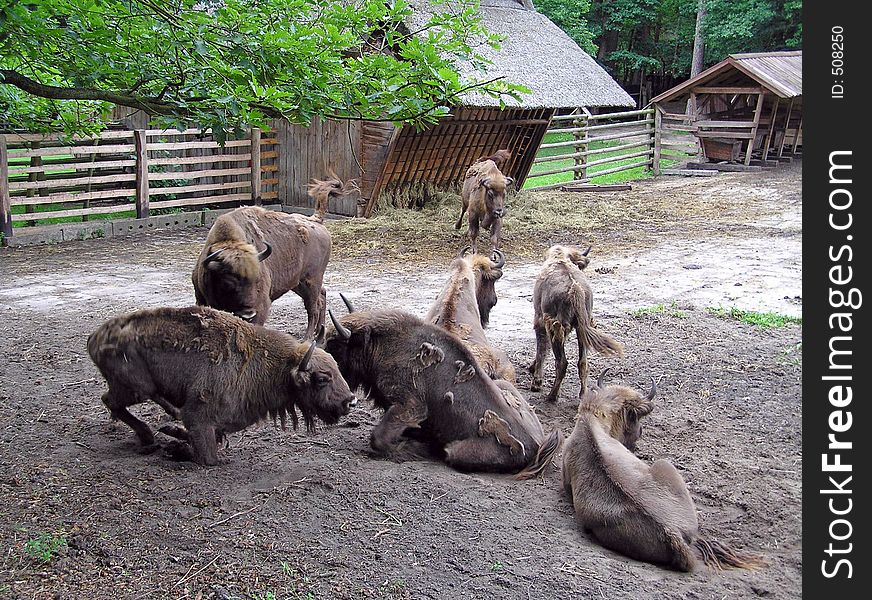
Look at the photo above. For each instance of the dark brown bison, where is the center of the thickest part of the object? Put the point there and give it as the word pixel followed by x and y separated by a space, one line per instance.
pixel 253 256
pixel 463 307
pixel 215 372
pixel 484 196
pixel 430 386
pixel 562 301
pixel 642 511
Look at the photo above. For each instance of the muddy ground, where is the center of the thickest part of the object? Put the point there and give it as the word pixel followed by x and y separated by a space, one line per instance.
pixel 292 516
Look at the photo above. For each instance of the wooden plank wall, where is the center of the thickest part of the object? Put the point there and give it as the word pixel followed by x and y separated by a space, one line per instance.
pixel 311 153
pixel 53 177
pixel 441 154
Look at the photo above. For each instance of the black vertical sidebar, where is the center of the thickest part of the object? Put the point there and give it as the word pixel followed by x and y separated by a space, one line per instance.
pixel 837 224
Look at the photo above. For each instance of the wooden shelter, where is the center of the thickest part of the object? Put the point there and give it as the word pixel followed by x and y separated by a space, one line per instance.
pixel 535 53
pixel 746 104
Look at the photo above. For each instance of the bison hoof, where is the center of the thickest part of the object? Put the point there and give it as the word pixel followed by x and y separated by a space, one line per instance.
pixel 535 385
pixel 179 451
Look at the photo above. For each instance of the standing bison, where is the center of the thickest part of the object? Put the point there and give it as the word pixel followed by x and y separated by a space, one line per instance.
pixel 642 511
pixel 484 196
pixel 562 301
pixel 463 307
pixel 430 384
pixel 216 372
pixel 253 256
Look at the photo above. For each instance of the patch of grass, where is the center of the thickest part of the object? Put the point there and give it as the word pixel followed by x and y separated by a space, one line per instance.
pixel 660 309
pixel 45 546
pixel 497 566
pixel 759 319
pixel 793 354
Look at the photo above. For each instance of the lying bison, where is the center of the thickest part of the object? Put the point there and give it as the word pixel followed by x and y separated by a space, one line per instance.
pixel 216 372
pixel 463 307
pixel 484 196
pixel 644 512
pixel 233 274
pixel 562 301
pixel 430 385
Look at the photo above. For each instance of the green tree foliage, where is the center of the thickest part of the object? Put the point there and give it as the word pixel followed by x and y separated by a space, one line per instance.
pixel 655 37
pixel 571 17
pixel 226 64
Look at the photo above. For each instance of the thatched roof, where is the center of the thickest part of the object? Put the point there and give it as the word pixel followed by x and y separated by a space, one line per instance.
pixel 535 53
pixel 777 72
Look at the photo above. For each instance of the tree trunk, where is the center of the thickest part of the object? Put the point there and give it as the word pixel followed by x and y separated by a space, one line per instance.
pixel 698 41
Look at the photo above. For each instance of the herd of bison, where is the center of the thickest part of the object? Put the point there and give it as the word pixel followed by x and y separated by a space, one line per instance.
pixel 443 390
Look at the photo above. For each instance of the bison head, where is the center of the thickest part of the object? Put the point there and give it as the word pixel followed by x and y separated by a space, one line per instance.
pixel 619 408
pixel 231 275
pixel 494 189
pixel 487 272
pixel 319 388
pixel 574 254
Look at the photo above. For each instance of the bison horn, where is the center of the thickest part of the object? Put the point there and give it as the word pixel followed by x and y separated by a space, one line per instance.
pixel 499 259
pixel 602 377
pixel 212 256
pixel 340 328
pixel 304 364
pixel 464 251
pixel 347 302
pixel 262 256
pixel 653 391
pixel 586 251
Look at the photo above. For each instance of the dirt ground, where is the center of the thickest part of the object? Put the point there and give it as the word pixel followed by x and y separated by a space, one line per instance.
pixel 292 516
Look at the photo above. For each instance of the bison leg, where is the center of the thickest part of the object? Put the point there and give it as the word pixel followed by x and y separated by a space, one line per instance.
pixel 117 404
pixel 582 363
pixel 541 349
pixel 460 219
pixel 315 300
pixel 385 437
pixel 483 454
pixel 560 365
pixel 496 228
pixel 473 234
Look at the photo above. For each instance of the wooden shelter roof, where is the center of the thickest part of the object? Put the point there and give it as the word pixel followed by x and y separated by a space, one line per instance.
pixel 535 53
pixel 777 72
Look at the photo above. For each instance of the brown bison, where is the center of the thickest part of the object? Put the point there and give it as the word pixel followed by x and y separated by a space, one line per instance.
pixel 562 301
pixel 484 196
pixel 463 307
pixel 644 512
pixel 500 158
pixel 215 372
pixel 233 274
pixel 431 387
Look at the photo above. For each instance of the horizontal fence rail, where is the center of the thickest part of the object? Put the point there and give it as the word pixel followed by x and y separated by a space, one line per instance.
pixel 130 173
pixel 609 143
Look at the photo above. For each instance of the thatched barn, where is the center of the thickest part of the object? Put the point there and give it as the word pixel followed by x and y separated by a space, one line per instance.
pixel 746 105
pixel 536 53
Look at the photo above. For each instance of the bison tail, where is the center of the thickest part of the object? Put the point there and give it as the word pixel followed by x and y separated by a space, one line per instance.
pixel 544 456
pixel 717 555
pixel 602 343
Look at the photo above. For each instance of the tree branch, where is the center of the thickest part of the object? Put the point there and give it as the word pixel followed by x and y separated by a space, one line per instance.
pixel 153 107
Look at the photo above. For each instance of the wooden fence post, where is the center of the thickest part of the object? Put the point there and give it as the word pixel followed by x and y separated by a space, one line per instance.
pixel 255 167
pixel 5 198
pixel 658 129
pixel 139 139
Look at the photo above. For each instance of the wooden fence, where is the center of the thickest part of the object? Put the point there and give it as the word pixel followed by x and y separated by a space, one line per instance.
pixel 127 173
pixel 608 143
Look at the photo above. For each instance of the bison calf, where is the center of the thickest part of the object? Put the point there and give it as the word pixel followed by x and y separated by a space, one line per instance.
pixel 563 301
pixel 484 196
pixel 216 372
pixel 642 511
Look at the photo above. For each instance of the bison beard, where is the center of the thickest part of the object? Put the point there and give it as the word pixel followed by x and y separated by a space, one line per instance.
pixel 644 512
pixel 427 381
pixel 216 372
